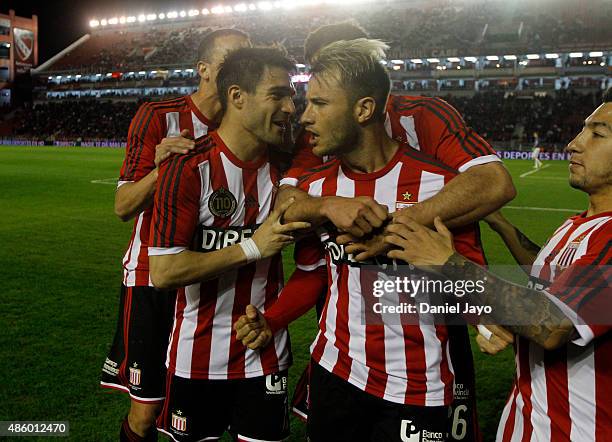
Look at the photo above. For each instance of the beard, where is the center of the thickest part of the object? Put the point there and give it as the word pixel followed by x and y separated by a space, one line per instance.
pixel 344 138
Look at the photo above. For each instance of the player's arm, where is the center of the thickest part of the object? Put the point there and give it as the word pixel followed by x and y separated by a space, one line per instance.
pixel 522 248
pixel 255 329
pixel 173 270
pixel 467 198
pixel 144 153
pixel 526 312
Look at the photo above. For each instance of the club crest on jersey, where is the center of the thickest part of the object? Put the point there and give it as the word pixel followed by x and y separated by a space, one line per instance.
pixel 222 203
pixel 179 422
pixel 135 375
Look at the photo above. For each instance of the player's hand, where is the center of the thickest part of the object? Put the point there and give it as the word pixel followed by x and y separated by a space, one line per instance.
pixel 363 248
pixel 357 216
pixel 252 329
pixel 418 244
pixel 171 145
pixel 272 236
pixel 492 339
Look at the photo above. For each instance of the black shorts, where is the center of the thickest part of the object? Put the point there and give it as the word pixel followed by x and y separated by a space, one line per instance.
pixel 254 409
pixel 341 412
pixel 136 362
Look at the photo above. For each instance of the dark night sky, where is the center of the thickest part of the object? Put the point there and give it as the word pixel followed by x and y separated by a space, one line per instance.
pixel 60 22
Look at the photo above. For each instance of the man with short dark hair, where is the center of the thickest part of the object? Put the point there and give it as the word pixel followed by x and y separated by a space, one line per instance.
pixel 216 238
pixel 562 318
pixel 135 362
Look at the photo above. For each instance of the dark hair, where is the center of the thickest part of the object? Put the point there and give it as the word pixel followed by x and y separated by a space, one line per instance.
pixel 245 67
pixel 207 44
pixel 324 35
pixel 607 95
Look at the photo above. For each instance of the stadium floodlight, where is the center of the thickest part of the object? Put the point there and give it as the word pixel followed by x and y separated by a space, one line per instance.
pixel 218 10
pixel 98 75
pixel 50 78
pixel 142 18
pixel 131 19
pixel 509 57
pixel 131 73
pixel 596 54
pixel 151 17
pixel 141 73
pixel 383 62
pixel 492 57
pixel 454 59
pixel 252 7
pixel 177 71
pixel 471 59
pixel 78 76
pixel 153 72
pixel 300 65
pixel 228 9
pixel 109 74
pixel 264 6
pixel 172 14
pixel 68 76
pixel 161 16
pixel 524 63
pixel 432 60
pixel 103 22
pixel 602 64
pixel 188 70
pixel 533 57
pixel 122 20
pixel 94 23
pixel 193 12
pixel 59 77
pixel 398 61
pixel 241 7
pixel 183 13
pixel 551 56
pixel 113 21
pixel 416 60
pixel 396 67
pixel 575 54
pixel 277 4
pixel 205 11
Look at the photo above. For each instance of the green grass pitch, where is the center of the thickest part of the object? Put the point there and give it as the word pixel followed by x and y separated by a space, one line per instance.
pixel 60 262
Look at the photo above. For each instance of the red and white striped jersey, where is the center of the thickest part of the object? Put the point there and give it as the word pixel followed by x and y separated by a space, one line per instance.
pixel 564 395
pixel 206 201
pixel 406 364
pixel 153 121
pixel 427 124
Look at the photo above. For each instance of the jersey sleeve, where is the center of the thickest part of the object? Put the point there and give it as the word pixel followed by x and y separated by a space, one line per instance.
pixel 441 132
pixel 176 207
pixel 303 160
pixel 143 135
pixel 583 291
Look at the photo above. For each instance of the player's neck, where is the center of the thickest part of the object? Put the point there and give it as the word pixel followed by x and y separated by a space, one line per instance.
pixel 374 150
pixel 244 145
pixel 600 202
pixel 207 104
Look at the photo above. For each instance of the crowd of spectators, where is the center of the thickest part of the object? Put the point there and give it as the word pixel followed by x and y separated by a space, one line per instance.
pixel 499 117
pixel 410 29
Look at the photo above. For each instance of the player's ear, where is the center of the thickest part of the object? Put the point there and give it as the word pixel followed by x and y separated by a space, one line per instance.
pixel 235 96
pixel 364 109
pixel 204 70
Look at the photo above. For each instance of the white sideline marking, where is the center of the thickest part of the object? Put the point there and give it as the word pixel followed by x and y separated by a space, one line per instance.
pixel 534 170
pixel 544 209
pixel 553 178
pixel 112 181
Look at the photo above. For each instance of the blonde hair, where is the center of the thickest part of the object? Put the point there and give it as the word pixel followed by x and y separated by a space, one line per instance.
pixel 356 65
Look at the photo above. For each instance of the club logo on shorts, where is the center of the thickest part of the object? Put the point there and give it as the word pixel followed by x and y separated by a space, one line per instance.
pixel 276 384
pixel 408 432
pixel 222 203
pixel 179 422
pixel 135 375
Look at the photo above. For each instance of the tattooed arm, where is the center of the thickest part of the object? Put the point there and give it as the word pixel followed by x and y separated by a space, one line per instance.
pixel 535 315
pixel 522 248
